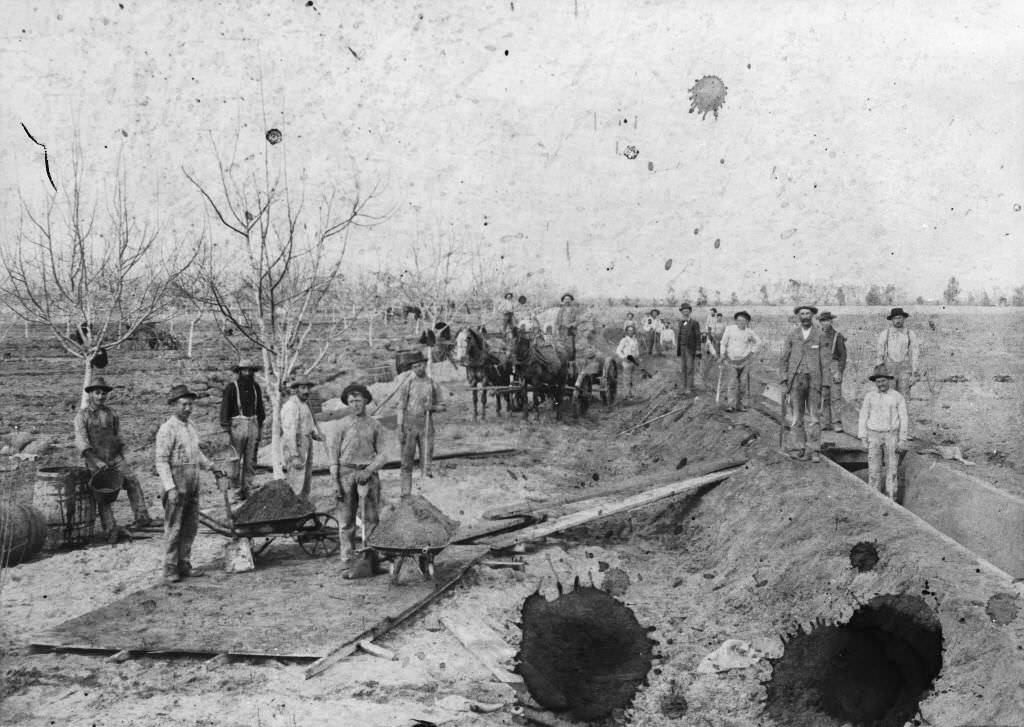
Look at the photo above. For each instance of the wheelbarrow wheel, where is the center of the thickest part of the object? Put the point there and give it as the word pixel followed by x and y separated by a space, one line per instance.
pixel 318 535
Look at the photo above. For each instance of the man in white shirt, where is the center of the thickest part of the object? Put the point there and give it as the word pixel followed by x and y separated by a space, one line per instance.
pixel 898 349
pixel 628 352
pixel 737 349
pixel 178 461
pixel 883 428
pixel 298 431
pixel 507 308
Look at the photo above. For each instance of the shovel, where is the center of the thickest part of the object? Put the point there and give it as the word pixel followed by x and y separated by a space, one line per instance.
pixel 237 551
pixel 365 563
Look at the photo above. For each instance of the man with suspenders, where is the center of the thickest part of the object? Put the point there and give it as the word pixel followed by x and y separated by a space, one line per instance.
pixel 241 416
pixel 899 350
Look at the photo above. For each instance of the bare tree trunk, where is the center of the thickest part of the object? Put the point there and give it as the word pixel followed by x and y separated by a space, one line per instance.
pixel 86 380
pixel 273 385
pixel 369 334
pixel 191 335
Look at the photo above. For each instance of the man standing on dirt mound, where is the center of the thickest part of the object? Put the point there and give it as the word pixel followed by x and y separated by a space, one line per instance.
pixel 687 347
pixel 298 431
pixel 899 350
pixel 566 320
pixel 832 381
pixel 419 398
pixel 241 417
pixel 802 367
pixel 883 428
pixel 507 308
pixel 360 450
pixel 736 357
pixel 178 461
pixel 98 440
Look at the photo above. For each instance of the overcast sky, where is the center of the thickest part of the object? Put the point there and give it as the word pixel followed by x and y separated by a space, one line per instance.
pixel 859 142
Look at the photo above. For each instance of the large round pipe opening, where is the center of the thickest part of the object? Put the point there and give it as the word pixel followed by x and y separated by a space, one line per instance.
pixel 870 672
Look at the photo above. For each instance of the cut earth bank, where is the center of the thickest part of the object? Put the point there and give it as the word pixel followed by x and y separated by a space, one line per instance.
pixel 758 558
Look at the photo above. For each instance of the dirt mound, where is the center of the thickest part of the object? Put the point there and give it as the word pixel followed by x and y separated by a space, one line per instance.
pixel 274 501
pixel 415 524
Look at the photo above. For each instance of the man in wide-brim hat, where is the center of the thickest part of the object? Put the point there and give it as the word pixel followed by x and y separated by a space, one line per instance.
pixel 802 367
pixel 883 428
pixel 566 320
pixel 899 349
pixel 357 454
pixel 98 440
pixel 298 432
pixel 736 358
pixel 419 398
pixel 178 462
pixel 242 414
pixel 832 382
pixel 688 340
pixel 507 309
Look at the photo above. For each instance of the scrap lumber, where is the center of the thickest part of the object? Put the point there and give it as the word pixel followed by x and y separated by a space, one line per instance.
pixel 371 648
pixel 216 662
pixel 121 656
pixel 346 649
pixel 604 510
pixel 484 643
pixel 471 533
pixel 394 464
pixel 528 508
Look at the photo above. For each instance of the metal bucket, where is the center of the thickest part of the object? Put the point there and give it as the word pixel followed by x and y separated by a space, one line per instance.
pixel 64 497
pixel 106 484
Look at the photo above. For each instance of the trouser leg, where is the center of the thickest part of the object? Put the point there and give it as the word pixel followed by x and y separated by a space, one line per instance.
pixel 686 366
pixel 732 385
pixel 800 400
pixel 812 422
pixel 241 441
pixel 825 407
pixel 371 506
pixel 107 521
pixel 891 464
pixel 172 533
pixel 189 528
pixel 408 457
pixel 742 384
pixel 875 447
pixel 347 508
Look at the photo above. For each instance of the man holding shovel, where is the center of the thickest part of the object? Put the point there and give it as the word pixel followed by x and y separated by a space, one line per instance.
pixel 804 363
pixel 360 455
pixel 419 398
pixel 298 431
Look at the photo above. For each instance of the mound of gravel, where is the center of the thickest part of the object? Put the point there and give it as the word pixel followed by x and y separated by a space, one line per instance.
pixel 274 501
pixel 414 524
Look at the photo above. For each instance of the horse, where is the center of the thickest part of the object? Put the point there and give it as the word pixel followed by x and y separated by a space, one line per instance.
pixel 484 367
pixel 540 366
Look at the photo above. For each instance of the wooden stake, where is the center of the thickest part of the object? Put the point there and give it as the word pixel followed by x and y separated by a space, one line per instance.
pixel 371 648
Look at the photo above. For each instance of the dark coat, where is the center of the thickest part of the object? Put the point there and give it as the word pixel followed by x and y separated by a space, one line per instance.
pixel 811 352
pixel 688 335
pixel 252 403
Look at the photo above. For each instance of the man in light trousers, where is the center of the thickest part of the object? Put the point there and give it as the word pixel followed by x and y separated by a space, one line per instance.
pixel 298 432
pixel 883 428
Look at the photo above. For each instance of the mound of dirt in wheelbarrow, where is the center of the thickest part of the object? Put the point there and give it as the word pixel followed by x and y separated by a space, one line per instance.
pixel 274 501
pixel 415 524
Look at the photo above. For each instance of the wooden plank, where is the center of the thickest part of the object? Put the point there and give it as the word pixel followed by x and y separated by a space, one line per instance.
pixel 371 648
pixel 216 662
pixel 121 656
pixel 347 647
pixel 251 614
pixel 394 464
pixel 637 485
pixel 611 508
pixel 471 533
pixel 484 643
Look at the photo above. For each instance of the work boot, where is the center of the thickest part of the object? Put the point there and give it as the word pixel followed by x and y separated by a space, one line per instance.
pixel 187 571
pixel 171 575
pixel 141 523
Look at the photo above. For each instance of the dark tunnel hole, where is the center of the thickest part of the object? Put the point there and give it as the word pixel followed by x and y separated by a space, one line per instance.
pixel 870 672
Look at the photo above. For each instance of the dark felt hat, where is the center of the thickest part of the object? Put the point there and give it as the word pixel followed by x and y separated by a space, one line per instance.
pixel 180 391
pixel 247 363
pixel 655 310
pixel 826 316
pixel 881 372
pixel 802 306
pixel 897 312
pixel 353 389
pixel 99 383
pixel 570 296
pixel 686 306
pixel 298 381
pixel 508 295
pixel 741 314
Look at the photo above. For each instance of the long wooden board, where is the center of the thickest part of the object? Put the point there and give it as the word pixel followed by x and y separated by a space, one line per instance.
pixel 484 643
pixel 636 485
pixel 608 508
pixel 253 614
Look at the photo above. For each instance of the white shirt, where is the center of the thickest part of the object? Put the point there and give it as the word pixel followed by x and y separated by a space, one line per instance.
pixel 296 426
pixel 177 443
pixel 883 413
pixel 628 346
pixel 896 345
pixel 737 344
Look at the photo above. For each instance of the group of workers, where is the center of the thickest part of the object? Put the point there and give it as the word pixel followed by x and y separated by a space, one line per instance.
pixel 356 453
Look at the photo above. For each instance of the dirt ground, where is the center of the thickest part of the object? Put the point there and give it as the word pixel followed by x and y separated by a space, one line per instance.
pixel 753 559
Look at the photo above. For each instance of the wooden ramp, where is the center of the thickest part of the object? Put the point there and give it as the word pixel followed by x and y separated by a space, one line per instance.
pixel 291 606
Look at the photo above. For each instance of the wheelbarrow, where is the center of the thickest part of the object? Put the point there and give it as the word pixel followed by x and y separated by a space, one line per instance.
pixel 415 529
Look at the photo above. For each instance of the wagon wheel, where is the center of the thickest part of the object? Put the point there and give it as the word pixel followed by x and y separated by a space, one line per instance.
pixel 318 535
pixel 611 388
pixel 581 396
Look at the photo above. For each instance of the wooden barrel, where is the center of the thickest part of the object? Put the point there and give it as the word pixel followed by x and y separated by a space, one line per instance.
pixel 22 533
pixel 63 496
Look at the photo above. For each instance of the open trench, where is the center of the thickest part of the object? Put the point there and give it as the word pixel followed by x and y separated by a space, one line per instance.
pixel 864 614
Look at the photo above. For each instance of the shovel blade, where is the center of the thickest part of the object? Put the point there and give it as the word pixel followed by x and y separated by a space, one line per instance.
pixel 238 556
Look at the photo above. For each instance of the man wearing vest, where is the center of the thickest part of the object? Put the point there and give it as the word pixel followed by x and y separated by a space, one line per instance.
pixel 802 367
pixel 687 347
pixel 241 417
pixel 899 350
pixel 832 380
pixel 298 431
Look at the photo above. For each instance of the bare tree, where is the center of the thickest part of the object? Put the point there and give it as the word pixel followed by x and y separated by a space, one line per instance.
pixel 281 262
pixel 91 278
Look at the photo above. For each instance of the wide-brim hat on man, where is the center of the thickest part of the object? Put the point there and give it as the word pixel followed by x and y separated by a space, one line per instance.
pixel 655 312
pixel 811 308
pixel 826 316
pixel 98 384
pixel 881 372
pixel 508 295
pixel 180 391
pixel 897 312
pixel 570 296
pixel 741 314
pixel 356 389
pixel 685 306
pixel 298 381
pixel 247 363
